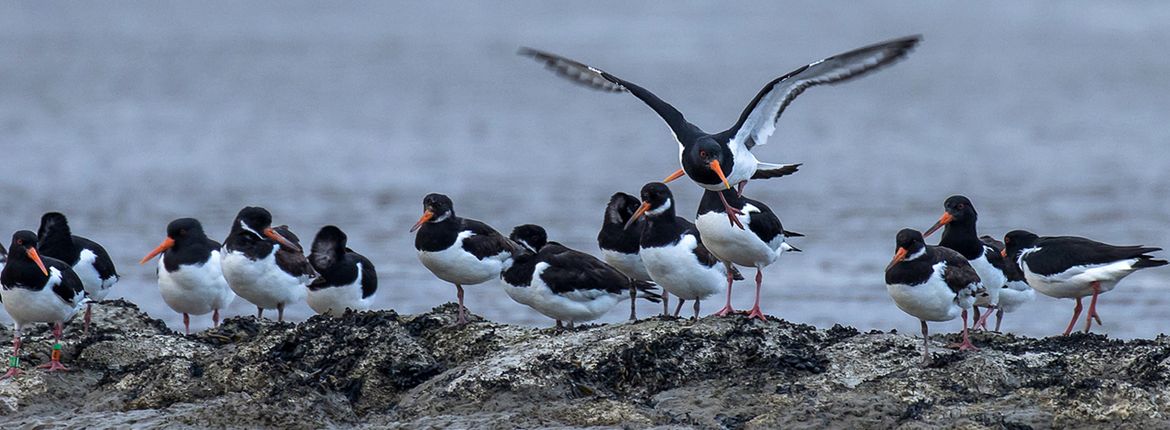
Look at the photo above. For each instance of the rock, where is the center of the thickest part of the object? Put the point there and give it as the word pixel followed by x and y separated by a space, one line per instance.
pixel 385 369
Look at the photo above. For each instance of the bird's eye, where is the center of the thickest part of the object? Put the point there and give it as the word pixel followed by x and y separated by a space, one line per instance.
pixel 962 206
pixel 703 154
pixel 19 242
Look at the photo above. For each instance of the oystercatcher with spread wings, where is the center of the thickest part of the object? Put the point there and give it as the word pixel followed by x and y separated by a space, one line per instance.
pixel 716 161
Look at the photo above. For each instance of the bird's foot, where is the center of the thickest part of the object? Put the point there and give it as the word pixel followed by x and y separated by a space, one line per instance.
pixel 11 373
pixel 981 323
pixel 727 310
pixel 54 366
pixel 965 345
pixel 733 215
pixel 757 313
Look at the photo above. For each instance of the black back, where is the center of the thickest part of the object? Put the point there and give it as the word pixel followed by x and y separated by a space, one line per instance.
pixel 614 236
pixel 338 265
pixel 22 272
pixel 568 270
pixel 958 273
pixel 765 224
pixel 444 228
pixel 250 241
pixel 192 246
pixel 56 240
pixel 1058 254
pixel 292 261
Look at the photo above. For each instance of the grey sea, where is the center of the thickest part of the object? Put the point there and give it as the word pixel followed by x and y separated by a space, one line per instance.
pixel 1050 116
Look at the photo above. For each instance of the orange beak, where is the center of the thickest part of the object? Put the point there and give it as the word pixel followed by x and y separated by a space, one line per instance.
pixel 36 258
pixel 898 257
pixel 165 245
pixel 638 214
pixel 1003 253
pixel 945 219
pixel 677 174
pixel 426 216
pixel 272 234
pixel 719 171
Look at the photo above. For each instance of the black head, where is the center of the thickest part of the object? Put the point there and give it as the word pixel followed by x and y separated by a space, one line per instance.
pixel 657 200
pixel 909 243
pixel 957 210
pixel 436 208
pixel 179 232
pixel 531 236
pixel 258 221
pixel 53 222
pixel 620 208
pixel 24 246
pixel 328 247
pixel 708 154
pixel 1017 240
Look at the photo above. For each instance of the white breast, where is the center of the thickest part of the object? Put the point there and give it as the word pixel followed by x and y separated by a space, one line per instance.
pixel 676 269
pixel 573 306
pixel 335 300
pixel 457 266
pixel 730 243
pixel 195 289
pixel 992 279
pixel 261 282
pixel 1014 295
pixel 629 264
pixel 95 287
pixel 930 301
pixel 28 306
pixel 1077 280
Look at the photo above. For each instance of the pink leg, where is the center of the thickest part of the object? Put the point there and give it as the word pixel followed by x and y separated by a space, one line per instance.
pixel 54 364
pixel 665 304
pixel 259 312
pixel 14 360
pixel 633 304
pixel 696 310
pixel 966 344
pixel 925 345
pixel 740 187
pixel 756 313
pixel 678 308
pixel 215 318
pixel 187 323
pixel 462 319
pixel 1093 307
pixel 732 213
pixel 727 309
pixel 88 311
pixel 1076 314
pixel 280 312
pixel 982 322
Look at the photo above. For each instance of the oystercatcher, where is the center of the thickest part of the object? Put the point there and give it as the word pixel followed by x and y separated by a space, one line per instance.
pixel 716 161
pixel 38 289
pixel 1075 267
pixel 959 235
pixel 459 250
pixel 190 277
pixel 1015 291
pixel 674 253
pixel 88 259
pixel 255 268
pixel 757 246
pixel 564 284
pixel 347 279
pixel 932 283
pixel 619 245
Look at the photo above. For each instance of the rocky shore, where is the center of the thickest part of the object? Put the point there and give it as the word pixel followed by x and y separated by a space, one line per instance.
pixel 385 369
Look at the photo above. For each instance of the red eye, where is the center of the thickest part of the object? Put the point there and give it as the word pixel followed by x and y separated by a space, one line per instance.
pixel 962 206
pixel 703 154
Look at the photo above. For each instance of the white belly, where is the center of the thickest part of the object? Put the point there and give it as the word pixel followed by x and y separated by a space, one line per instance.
pixel 677 270
pixel 195 289
pixel 95 288
pixel 335 300
pixel 27 306
pixel 629 264
pixel 261 282
pixel 570 307
pixel 1077 281
pixel 457 266
pixel 992 279
pixel 1014 295
pixel 930 301
pixel 730 243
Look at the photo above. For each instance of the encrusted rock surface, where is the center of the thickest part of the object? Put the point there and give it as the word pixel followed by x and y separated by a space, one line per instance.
pixel 388 370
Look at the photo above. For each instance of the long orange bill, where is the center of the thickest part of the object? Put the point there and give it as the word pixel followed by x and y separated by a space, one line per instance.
pixel 1003 253
pixel 32 253
pixel 163 247
pixel 945 219
pixel 638 214
pixel 426 216
pixel 898 257
pixel 272 234
pixel 677 174
pixel 719 171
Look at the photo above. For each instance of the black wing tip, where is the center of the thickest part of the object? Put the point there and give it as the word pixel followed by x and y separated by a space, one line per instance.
pixel 736 274
pixel 1146 261
pixel 777 172
pixel 792 234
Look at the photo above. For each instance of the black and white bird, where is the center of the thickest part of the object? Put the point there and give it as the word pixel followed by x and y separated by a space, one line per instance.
pixel 564 284
pixel 1074 267
pixel 674 253
pixel 619 245
pixel 347 280
pixel 718 161
pixel 257 270
pixel 38 289
pixel 932 283
pixel 88 259
pixel 959 234
pixel 1015 292
pixel 459 250
pixel 190 277
pixel 757 246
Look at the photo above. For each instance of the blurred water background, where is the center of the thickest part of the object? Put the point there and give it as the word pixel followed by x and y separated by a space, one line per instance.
pixel 1050 116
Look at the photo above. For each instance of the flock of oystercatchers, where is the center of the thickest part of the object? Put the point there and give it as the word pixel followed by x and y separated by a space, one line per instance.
pixel 649 251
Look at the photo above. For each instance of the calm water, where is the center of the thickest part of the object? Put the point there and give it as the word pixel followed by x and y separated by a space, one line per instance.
pixel 1050 116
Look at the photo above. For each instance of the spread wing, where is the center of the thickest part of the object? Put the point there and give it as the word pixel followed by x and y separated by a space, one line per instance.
pixel 758 120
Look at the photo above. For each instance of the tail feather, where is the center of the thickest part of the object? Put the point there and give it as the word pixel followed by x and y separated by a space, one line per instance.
pixel 1145 261
pixel 792 234
pixel 789 248
pixel 647 290
pixel 769 170
pixel 735 274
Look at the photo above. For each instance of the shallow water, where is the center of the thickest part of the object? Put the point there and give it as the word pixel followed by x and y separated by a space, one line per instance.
pixel 1049 116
